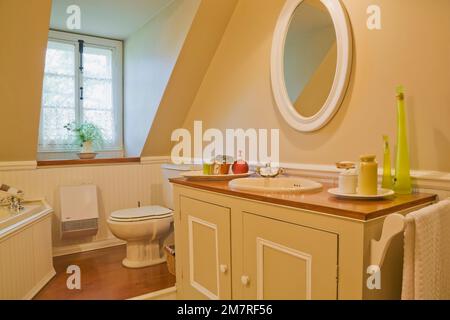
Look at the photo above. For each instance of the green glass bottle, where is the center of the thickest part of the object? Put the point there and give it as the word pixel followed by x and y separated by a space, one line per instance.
pixel 402 170
pixel 388 182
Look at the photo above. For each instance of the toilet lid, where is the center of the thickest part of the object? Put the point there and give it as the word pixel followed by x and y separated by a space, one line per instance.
pixel 151 212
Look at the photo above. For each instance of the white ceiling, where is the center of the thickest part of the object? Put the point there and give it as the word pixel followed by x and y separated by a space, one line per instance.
pixel 116 19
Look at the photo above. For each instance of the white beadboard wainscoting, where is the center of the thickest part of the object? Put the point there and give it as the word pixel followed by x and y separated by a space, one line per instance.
pixel 120 186
pixel 26 263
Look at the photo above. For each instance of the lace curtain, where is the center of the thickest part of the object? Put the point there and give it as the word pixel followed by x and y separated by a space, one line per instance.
pixel 61 103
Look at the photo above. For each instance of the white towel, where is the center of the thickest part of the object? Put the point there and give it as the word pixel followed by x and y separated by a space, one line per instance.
pixel 426 266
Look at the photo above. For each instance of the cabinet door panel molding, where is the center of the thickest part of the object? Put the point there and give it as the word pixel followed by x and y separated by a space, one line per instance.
pixel 195 284
pixel 260 244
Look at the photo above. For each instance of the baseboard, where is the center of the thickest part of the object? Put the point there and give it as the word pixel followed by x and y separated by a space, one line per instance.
pixel 86 247
pixel 35 290
pixel 165 294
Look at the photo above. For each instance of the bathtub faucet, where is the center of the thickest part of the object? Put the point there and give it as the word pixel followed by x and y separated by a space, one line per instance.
pixel 14 198
pixel 14 203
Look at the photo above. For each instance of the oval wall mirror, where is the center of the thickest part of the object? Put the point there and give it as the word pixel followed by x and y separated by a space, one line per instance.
pixel 311 62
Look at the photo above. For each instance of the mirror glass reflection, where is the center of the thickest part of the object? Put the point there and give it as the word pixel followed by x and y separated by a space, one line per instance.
pixel 310 57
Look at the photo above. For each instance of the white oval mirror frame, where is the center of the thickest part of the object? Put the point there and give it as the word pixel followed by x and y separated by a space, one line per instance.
pixel 343 67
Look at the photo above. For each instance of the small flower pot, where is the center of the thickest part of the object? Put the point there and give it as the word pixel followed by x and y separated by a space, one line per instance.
pixel 87 151
pixel 87 147
pixel 87 156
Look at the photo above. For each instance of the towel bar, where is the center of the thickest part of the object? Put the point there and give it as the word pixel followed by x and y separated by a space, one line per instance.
pixel 392 226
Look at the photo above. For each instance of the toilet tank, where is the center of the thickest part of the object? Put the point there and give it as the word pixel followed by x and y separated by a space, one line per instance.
pixel 170 171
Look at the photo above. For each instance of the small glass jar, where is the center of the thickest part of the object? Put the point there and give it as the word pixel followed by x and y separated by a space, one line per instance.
pixel 225 168
pixel 222 165
pixel 215 169
pixel 348 181
pixel 208 169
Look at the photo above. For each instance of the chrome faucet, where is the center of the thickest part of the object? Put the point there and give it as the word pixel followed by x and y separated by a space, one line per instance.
pixel 268 171
pixel 13 202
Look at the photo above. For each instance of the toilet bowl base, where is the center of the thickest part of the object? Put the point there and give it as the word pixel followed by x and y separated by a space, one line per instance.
pixel 133 264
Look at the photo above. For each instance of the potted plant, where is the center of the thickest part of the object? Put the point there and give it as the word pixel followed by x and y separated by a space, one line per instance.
pixel 87 136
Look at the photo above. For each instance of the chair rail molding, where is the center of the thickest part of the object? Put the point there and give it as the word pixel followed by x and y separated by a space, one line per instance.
pixel 17 165
pixel 422 179
pixel 31 165
pixel 156 160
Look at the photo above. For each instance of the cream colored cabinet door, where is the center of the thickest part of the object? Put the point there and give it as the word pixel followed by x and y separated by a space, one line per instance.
pixel 288 261
pixel 206 246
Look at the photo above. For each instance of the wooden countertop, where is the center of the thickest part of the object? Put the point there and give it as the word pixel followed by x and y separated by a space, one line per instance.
pixel 320 201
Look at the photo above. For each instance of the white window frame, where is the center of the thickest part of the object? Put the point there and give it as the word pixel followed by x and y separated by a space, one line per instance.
pixel 117 76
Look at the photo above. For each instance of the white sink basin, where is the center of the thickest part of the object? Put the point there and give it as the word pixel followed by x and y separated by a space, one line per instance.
pixel 275 185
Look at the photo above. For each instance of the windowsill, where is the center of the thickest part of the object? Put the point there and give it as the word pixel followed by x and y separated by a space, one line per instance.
pixel 80 162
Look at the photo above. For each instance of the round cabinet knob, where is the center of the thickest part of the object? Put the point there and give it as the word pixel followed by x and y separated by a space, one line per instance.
pixel 245 280
pixel 223 268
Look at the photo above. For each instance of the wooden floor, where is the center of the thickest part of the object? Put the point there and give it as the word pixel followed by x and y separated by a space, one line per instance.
pixel 104 278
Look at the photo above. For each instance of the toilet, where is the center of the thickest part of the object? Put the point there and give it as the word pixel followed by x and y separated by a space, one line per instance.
pixel 145 228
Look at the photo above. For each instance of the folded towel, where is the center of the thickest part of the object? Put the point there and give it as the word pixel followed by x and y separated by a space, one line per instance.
pixel 426 266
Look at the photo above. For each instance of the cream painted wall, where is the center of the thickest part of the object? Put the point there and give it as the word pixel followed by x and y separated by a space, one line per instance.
pixel 150 56
pixel 23 30
pixel 412 49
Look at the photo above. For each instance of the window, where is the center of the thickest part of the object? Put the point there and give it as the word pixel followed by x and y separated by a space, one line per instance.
pixel 82 83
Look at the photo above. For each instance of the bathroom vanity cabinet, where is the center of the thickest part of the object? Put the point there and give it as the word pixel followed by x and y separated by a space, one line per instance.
pixel 239 245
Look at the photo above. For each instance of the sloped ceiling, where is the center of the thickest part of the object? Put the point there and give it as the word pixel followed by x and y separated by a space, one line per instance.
pixel 24 30
pixel 150 57
pixel 116 19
